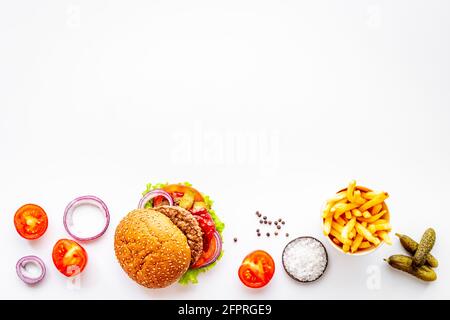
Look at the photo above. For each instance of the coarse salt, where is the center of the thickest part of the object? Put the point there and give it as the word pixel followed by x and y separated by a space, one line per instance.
pixel 305 259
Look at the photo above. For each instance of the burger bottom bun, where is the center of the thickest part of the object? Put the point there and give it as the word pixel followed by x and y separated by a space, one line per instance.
pixel 151 249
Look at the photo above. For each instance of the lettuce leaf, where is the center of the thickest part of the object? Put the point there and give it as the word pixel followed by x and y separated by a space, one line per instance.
pixel 191 275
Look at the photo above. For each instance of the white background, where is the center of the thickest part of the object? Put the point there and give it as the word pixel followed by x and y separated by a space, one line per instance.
pixel 264 105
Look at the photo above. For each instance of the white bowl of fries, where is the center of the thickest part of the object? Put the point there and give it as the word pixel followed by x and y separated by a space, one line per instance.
pixel 356 220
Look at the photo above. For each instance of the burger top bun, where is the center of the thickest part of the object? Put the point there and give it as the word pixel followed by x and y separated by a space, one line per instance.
pixel 151 249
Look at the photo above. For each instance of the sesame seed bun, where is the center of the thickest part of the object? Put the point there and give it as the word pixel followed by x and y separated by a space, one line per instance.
pixel 152 250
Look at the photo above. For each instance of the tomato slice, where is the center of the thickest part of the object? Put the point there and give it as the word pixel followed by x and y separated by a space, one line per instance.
pixel 69 257
pixel 31 221
pixel 178 190
pixel 257 269
pixel 208 255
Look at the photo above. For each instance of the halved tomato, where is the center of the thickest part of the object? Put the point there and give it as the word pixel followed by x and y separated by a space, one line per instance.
pixel 257 269
pixel 31 221
pixel 69 257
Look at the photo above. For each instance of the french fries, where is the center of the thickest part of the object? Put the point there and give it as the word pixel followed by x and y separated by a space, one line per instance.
pixel 365 245
pixel 348 215
pixel 348 228
pixel 356 243
pixel 367 215
pixel 327 225
pixel 356 219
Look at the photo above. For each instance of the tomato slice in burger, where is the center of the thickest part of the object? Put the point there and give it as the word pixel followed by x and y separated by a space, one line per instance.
pixel 31 221
pixel 208 256
pixel 257 269
pixel 69 257
pixel 178 190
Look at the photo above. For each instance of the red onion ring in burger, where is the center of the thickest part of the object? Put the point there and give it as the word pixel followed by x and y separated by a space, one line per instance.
pixel 21 271
pixel 215 255
pixel 80 201
pixel 153 194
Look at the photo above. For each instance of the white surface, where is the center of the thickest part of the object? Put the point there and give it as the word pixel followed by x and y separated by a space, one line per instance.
pixel 264 105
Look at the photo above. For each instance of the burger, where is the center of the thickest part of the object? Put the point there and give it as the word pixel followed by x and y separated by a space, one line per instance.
pixel 174 235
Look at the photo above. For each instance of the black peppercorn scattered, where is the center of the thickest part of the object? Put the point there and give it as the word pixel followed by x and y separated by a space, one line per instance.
pixel 235 239
pixel 278 223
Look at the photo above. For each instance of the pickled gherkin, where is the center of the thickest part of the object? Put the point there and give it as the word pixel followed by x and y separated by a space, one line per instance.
pixel 187 201
pixel 411 246
pixel 425 246
pixel 406 264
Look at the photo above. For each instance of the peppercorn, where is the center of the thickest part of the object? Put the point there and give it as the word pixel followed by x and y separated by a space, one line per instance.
pixel 287 234
pixel 279 220
pixel 283 222
pixel 278 227
pixel 265 218
pixel 268 234
pixel 276 222
pixel 260 221
pixel 270 223
pixel 276 233
pixel 235 239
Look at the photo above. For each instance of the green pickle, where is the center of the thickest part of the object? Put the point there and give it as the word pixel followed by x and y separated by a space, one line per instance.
pixel 406 264
pixel 425 246
pixel 411 246
pixel 187 201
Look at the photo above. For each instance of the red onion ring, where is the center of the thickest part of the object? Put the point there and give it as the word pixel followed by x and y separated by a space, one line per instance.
pixel 153 194
pixel 22 263
pixel 85 200
pixel 216 254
